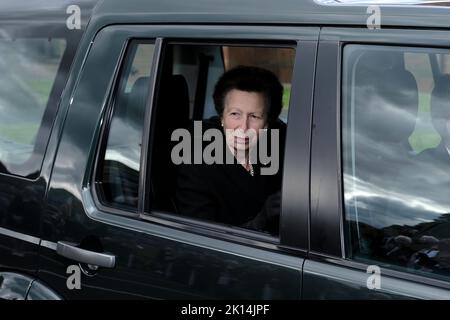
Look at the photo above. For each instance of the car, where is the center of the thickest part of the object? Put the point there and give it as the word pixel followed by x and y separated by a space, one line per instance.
pixel 91 93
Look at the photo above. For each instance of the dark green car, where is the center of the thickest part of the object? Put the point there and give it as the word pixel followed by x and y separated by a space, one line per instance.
pixel 91 92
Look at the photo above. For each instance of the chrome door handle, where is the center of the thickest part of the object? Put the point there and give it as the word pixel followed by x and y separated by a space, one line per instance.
pixel 71 251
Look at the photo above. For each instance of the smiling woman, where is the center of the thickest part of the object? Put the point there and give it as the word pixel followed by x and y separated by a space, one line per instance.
pixel 220 138
pixel 248 101
pixel 242 118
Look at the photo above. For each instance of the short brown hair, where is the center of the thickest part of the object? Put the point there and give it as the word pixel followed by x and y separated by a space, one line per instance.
pixel 250 79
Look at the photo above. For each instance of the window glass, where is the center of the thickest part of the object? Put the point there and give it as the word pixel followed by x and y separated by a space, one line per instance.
pixel 397 207
pixel 118 178
pixel 190 176
pixel 28 68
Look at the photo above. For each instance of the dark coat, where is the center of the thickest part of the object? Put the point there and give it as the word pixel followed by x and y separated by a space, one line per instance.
pixel 224 193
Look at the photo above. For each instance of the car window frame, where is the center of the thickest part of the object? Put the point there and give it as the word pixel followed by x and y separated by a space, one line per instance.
pixel 125 61
pixel 198 226
pixel 291 241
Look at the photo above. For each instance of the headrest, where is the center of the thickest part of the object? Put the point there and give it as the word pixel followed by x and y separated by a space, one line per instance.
pixel 382 61
pixel 137 99
pixel 386 97
pixel 440 105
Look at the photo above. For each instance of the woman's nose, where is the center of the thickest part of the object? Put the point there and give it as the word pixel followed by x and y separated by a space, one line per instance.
pixel 243 125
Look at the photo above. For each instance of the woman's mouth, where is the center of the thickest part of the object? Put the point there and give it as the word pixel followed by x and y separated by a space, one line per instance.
pixel 242 140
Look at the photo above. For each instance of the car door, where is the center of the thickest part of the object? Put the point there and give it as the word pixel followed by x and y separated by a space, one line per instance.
pixel 95 249
pixel 378 222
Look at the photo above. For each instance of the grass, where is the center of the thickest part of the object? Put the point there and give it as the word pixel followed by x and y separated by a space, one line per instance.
pixel 25 132
pixel 286 96
pixel 425 137
pixel 41 88
pixel 19 133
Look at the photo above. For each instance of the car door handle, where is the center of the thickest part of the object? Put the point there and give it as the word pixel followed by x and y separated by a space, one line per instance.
pixel 71 251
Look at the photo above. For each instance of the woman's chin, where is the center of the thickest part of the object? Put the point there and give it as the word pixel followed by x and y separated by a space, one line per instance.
pixel 244 146
pixel 241 148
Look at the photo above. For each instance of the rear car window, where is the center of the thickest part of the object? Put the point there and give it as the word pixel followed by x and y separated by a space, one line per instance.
pixel 37 47
pixel 28 67
pixel 396 159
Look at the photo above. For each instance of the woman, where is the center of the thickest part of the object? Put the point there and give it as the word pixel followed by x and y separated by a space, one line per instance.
pixel 247 100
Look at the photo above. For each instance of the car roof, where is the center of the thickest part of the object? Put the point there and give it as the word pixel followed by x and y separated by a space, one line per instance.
pixel 40 11
pixel 281 12
pixel 406 13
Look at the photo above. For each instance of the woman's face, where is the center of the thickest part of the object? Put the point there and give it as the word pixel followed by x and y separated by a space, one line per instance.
pixel 243 116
